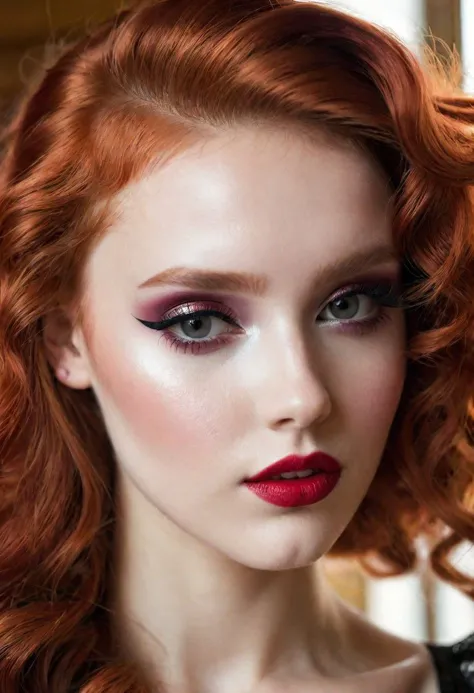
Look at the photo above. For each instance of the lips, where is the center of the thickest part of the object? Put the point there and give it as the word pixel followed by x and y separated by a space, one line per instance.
pixel 317 461
pixel 298 491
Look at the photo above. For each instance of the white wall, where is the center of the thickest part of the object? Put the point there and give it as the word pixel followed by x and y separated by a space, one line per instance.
pixel 404 17
pixel 398 605
pixel 454 611
pixel 467 38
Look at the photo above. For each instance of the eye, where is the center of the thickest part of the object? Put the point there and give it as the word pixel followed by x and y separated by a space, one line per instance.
pixel 195 327
pixel 348 307
pixel 201 326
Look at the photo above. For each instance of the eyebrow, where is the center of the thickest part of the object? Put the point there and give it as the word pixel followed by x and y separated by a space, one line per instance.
pixel 257 284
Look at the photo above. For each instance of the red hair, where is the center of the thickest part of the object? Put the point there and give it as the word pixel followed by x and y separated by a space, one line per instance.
pixel 135 91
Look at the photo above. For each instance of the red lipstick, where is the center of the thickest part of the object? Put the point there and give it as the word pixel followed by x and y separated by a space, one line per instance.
pixel 301 490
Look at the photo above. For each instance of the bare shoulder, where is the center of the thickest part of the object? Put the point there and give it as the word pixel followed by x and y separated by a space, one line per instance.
pixel 390 663
pixel 370 660
pixel 414 675
pixel 383 663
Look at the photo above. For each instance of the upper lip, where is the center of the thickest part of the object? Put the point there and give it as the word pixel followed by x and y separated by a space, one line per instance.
pixel 319 461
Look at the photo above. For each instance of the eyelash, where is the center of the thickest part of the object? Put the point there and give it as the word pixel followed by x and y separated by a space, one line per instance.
pixel 383 293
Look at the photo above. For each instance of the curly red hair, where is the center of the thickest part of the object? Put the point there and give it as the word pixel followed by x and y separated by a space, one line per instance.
pixel 132 93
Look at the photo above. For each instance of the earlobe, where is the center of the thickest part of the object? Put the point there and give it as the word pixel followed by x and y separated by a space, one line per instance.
pixel 68 363
pixel 62 373
pixel 77 380
pixel 72 370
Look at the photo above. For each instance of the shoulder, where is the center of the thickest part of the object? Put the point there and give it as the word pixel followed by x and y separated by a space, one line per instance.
pixel 393 664
pixel 454 665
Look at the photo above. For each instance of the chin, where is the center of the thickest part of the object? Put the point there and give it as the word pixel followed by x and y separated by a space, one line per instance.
pixel 276 562
pixel 280 553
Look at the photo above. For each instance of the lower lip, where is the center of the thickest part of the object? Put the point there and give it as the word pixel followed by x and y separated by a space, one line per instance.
pixel 291 493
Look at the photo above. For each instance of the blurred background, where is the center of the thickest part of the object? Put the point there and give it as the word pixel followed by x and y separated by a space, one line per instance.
pixel 414 606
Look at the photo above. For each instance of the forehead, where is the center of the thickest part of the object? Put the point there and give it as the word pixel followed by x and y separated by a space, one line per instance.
pixel 253 165
pixel 248 191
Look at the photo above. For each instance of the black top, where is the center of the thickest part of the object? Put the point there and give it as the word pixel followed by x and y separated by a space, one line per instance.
pixel 455 665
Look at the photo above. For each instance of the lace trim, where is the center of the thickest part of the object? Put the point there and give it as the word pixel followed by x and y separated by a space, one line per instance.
pixel 455 665
pixel 463 656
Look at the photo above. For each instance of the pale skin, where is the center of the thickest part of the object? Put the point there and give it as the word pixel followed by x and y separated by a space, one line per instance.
pixel 216 590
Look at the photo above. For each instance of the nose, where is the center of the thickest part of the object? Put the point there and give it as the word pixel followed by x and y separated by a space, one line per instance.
pixel 293 393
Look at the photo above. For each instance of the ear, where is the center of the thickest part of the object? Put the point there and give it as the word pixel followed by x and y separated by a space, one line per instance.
pixel 66 351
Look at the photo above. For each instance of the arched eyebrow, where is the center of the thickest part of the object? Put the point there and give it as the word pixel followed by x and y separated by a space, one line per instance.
pixel 257 284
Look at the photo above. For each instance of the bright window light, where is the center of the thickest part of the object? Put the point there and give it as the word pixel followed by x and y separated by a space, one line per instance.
pixel 405 18
pixel 467 29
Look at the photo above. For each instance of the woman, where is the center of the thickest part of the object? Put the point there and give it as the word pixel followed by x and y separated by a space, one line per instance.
pixel 237 270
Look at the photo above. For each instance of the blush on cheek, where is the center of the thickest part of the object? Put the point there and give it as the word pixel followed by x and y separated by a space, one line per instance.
pixel 378 406
pixel 158 411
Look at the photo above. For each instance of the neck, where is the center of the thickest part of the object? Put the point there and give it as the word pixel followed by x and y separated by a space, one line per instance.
pixel 196 620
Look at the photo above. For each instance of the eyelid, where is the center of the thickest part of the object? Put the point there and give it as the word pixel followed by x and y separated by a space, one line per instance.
pixel 238 309
pixel 192 308
pixel 384 291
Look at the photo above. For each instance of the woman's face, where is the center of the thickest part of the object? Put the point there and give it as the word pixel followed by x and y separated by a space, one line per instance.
pixel 289 367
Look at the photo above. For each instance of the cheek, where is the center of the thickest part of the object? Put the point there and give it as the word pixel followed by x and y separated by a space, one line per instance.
pixel 383 390
pixel 367 380
pixel 378 391
pixel 164 406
